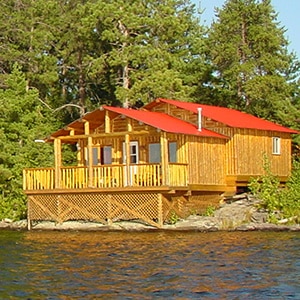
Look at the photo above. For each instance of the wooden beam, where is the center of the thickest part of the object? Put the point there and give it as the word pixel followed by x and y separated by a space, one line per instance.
pixel 127 159
pixel 86 128
pixel 107 126
pixel 119 190
pixel 80 153
pixel 99 135
pixel 164 158
pixel 129 125
pixel 90 161
pixel 57 156
pixel 208 187
pixel 160 210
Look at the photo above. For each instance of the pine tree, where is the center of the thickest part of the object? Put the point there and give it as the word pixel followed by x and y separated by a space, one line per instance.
pixel 26 38
pixel 252 69
pixel 23 119
pixel 86 53
pixel 150 47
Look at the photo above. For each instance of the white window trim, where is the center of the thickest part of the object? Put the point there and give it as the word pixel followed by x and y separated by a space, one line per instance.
pixel 276 145
pixel 135 154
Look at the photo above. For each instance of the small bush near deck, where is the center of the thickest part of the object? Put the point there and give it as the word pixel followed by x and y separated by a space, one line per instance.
pixel 209 211
pixel 280 203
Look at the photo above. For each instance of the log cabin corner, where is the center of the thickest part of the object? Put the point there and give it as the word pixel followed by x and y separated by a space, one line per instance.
pixel 166 158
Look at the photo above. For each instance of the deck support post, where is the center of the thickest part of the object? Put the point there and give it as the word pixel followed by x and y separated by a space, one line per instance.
pixel 109 210
pixel 160 211
pixel 28 214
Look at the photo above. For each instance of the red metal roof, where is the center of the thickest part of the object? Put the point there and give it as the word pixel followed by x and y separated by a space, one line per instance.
pixel 228 116
pixel 164 122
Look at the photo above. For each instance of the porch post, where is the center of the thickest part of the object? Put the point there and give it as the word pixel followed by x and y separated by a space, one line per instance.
pixel 127 159
pixel 90 161
pixel 90 153
pixel 164 158
pixel 57 156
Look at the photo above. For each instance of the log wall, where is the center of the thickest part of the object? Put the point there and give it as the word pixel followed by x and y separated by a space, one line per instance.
pixel 246 149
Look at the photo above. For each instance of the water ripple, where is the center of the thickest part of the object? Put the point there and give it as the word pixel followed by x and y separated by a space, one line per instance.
pixel 156 265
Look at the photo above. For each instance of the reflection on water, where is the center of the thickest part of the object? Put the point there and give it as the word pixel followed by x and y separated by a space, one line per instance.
pixel 156 265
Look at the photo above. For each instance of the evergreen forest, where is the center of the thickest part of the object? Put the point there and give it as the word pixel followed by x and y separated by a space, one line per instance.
pixel 60 59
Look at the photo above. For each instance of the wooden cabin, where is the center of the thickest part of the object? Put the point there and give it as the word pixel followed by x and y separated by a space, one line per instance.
pixel 249 139
pixel 169 158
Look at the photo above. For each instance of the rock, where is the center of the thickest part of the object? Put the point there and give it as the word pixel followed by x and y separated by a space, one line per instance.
pixel 267 227
pixel 22 224
pixel 198 223
pixel 259 217
pixel 235 214
pixel 7 220
pixel 4 225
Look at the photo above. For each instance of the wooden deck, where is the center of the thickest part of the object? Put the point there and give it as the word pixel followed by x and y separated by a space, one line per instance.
pixel 112 193
pixel 104 177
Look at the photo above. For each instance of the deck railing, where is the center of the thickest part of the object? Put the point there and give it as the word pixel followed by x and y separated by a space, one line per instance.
pixel 38 179
pixel 106 176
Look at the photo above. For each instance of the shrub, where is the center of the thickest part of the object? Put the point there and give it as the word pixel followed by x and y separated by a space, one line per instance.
pixel 209 211
pixel 280 203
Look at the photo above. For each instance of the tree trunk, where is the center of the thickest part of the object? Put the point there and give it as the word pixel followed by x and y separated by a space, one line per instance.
pixel 125 71
pixel 81 81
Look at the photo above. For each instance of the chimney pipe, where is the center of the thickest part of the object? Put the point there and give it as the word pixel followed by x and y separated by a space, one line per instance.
pixel 199 118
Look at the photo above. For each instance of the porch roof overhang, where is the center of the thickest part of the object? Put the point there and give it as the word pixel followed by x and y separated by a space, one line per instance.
pixel 75 130
pixel 164 122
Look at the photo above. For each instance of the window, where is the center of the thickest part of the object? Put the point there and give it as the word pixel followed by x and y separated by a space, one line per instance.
pixel 100 155
pixel 154 153
pixel 276 145
pixel 105 155
pixel 95 156
pixel 172 152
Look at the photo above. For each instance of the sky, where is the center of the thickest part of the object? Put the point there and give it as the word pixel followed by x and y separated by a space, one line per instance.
pixel 288 14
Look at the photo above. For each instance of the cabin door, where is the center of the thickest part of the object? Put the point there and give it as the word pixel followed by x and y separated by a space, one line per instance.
pixel 133 160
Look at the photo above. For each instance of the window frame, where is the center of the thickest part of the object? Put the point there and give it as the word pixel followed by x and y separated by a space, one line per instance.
pixel 276 145
pixel 133 152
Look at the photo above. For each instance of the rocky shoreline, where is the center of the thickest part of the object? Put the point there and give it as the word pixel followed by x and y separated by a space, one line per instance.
pixel 239 213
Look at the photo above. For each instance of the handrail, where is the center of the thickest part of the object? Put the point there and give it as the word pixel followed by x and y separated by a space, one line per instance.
pixel 104 176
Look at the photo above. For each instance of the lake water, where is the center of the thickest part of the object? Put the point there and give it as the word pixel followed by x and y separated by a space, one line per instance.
pixel 149 265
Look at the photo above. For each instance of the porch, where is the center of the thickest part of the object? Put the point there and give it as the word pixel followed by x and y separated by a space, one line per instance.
pixel 105 177
pixel 106 193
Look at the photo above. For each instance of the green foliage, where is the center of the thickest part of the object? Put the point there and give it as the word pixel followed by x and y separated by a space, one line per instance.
pixel 22 120
pixel 95 52
pixel 174 218
pixel 89 53
pixel 280 203
pixel 209 211
pixel 251 67
pixel 290 197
